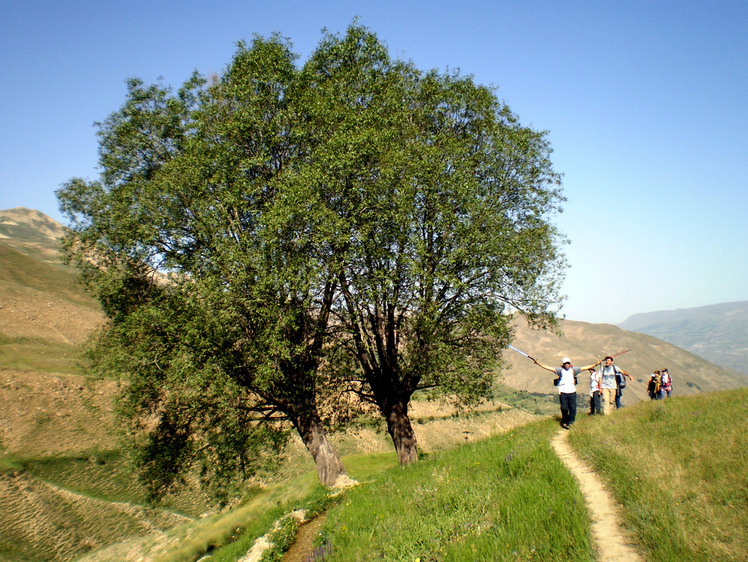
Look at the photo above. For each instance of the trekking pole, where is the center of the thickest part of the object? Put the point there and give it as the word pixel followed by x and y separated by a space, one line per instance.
pixel 521 353
pixel 621 353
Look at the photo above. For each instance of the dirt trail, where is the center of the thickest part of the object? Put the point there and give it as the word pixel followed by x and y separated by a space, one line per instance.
pixel 612 541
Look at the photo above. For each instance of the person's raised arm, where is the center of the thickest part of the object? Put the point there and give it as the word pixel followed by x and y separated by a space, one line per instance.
pixel 591 367
pixel 546 367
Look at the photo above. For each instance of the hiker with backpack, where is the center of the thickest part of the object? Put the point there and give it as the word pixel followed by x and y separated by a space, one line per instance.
pixel 653 387
pixel 566 380
pixel 620 385
pixel 666 384
pixel 609 385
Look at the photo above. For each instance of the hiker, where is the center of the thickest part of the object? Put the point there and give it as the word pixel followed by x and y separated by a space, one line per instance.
pixel 666 384
pixel 620 385
pixel 595 404
pixel 654 386
pixel 608 384
pixel 566 380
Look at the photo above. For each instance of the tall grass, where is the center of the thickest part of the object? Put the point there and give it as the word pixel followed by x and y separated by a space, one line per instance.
pixel 504 498
pixel 680 469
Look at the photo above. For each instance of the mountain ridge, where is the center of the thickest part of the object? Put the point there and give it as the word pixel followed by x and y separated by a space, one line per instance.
pixel 31 232
pixel 718 332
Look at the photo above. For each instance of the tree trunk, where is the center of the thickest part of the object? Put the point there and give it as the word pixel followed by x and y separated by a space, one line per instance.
pixel 329 465
pixel 401 431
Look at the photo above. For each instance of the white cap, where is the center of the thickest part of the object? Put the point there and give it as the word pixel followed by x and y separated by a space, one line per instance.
pixel 565 360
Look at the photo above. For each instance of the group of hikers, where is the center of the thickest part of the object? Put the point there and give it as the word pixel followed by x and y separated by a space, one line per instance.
pixel 606 386
pixel 660 385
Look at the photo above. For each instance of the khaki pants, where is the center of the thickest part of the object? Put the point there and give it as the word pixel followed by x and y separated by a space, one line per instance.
pixel 609 400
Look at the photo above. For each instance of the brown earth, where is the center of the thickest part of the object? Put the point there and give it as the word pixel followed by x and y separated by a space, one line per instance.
pixel 50 414
pixel 303 547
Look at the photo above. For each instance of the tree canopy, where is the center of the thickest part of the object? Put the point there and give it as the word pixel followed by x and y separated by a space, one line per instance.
pixel 280 236
pixel 446 200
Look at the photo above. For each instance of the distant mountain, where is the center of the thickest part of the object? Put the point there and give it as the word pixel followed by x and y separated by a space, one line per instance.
pixel 41 304
pixel 718 333
pixel 32 233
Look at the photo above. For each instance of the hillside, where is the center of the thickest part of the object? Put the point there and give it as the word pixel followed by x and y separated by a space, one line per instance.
pixel 30 232
pixel 718 333
pixel 72 523
pixel 44 314
pixel 57 434
pixel 508 498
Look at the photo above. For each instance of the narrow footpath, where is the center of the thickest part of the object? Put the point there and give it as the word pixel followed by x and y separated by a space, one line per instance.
pixel 612 542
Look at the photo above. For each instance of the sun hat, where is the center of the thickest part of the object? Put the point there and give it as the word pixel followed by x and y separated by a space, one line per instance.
pixel 565 360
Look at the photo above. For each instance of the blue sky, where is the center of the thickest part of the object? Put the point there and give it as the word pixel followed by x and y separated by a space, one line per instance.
pixel 645 104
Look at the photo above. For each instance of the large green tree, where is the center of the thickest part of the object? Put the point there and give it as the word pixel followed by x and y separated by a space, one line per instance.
pixel 355 224
pixel 447 202
pixel 190 243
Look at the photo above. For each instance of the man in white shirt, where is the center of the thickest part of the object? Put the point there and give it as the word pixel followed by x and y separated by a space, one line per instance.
pixel 609 385
pixel 566 379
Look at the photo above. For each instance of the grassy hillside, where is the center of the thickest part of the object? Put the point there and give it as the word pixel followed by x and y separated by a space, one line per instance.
pixel 44 314
pixel 719 333
pixel 60 466
pixel 30 232
pixel 504 498
pixel 680 469
pixel 72 523
pixel 508 497
pixel 62 475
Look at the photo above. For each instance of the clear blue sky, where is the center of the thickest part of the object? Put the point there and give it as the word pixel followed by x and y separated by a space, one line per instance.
pixel 646 104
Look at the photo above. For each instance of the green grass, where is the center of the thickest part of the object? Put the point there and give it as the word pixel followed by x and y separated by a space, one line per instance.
pixel 106 475
pixel 268 506
pixel 283 533
pixel 9 463
pixel 504 498
pixel 31 354
pixel 227 536
pixel 99 474
pixel 679 467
